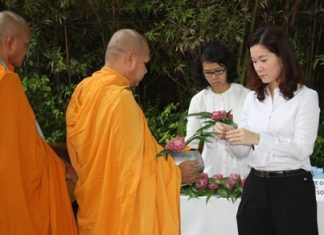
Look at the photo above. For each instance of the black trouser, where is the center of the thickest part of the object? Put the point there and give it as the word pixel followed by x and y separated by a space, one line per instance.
pixel 278 206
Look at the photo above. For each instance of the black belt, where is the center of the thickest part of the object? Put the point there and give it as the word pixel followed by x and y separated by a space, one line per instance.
pixel 269 174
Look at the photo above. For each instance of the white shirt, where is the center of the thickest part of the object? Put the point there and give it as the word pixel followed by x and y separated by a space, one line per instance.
pixel 287 128
pixel 217 158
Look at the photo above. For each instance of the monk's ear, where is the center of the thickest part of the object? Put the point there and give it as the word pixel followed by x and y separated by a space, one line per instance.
pixel 9 41
pixel 131 59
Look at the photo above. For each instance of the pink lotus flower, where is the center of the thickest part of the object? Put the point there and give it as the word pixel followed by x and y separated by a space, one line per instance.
pixel 232 180
pixel 202 183
pixel 212 186
pixel 176 144
pixel 216 115
pixel 230 183
pixel 218 177
pixel 235 177
pixel 217 185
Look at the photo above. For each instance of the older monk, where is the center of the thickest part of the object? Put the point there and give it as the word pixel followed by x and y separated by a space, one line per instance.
pixel 33 198
pixel 123 187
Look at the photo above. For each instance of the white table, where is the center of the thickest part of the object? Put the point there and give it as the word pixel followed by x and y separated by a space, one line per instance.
pixel 219 216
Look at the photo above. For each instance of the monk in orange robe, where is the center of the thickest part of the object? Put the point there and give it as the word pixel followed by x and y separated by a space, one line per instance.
pixel 33 199
pixel 123 188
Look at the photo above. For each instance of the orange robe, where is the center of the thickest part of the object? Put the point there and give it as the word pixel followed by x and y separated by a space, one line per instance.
pixel 123 188
pixel 33 194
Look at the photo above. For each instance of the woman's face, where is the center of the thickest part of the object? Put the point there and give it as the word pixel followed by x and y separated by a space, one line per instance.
pixel 267 65
pixel 216 76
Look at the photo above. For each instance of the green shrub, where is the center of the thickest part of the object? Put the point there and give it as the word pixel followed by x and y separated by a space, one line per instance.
pixel 48 106
pixel 317 158
pixel 166 124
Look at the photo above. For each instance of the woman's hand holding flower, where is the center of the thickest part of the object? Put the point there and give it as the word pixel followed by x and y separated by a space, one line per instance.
pixel 241 136
pixel 221 129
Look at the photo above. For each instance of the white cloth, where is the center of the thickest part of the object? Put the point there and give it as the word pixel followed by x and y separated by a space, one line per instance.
pixel 218 216
pixel 217 158
pixel 287 128
pixel 39 130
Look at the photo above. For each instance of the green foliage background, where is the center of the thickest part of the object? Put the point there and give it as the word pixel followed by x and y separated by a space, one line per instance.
pixel 70 37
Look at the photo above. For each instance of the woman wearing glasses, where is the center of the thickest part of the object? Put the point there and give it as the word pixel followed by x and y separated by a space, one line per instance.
pixel 216 73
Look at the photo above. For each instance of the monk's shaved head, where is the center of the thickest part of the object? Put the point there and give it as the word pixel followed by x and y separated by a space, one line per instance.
pixel 125 40
pixel 128 53
pixel 14 38
pixel 11 23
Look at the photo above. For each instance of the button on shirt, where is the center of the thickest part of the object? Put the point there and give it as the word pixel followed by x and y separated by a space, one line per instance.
pixel 287 128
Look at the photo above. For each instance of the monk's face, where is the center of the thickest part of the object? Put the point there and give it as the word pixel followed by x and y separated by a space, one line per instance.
pixel 140 67
pixel 18 48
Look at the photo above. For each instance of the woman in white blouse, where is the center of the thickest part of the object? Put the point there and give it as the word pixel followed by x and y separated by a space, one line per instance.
pixel 215 78
pixel 277 129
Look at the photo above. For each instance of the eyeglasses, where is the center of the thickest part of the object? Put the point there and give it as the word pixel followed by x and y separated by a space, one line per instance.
pixel 219 71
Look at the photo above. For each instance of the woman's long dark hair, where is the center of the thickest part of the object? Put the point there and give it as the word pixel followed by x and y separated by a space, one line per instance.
pixel 215 53
pixel 274 39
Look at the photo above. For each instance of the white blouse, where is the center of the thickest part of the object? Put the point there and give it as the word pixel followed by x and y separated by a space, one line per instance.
pixel 287 128
pixel 216 155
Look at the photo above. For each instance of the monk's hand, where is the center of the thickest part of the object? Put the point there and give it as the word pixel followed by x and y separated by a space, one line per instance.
pixel 190 171
pixel 242 136
pixel 70 173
